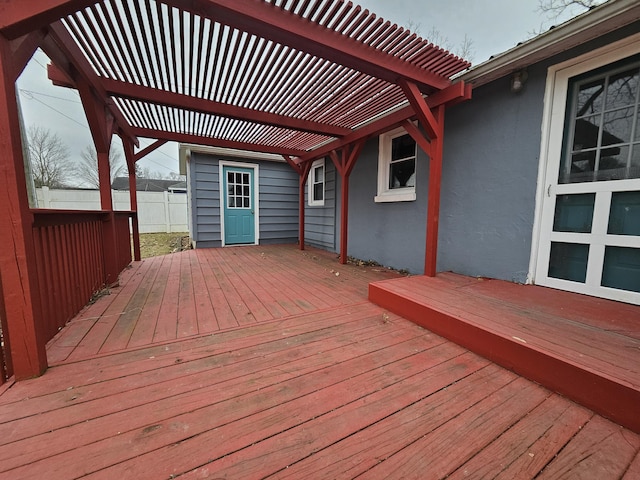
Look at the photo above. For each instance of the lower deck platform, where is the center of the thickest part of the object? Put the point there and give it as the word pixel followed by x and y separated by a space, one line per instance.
pixel 268 362
pixel 585 348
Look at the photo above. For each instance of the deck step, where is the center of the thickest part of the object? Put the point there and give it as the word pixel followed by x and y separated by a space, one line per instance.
pixel 534 332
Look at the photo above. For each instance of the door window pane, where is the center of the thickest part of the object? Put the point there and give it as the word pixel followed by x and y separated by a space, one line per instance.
pixel 589 97
pixel 603 126
pixel 622 89
pixel 621 268
pixel 238 190
pixel 624 218
pixel 617 126
pixel 586 133
pixel 574 213
pixel 568 261
pixel 613 164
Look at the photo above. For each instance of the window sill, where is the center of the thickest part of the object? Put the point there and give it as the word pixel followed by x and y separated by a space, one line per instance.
pixel 315 204
pixel 395 197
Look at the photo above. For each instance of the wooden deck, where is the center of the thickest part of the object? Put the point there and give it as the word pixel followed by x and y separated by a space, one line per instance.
pixel 585 348
pixel 262 362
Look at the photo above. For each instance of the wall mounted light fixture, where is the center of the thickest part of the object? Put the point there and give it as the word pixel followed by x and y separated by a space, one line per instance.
pixel 518 79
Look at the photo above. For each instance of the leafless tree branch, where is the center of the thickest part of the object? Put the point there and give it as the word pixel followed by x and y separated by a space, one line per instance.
pixel 49 157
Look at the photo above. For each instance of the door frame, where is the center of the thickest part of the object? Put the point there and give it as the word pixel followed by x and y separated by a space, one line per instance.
pixel 554 113
pixel 256 197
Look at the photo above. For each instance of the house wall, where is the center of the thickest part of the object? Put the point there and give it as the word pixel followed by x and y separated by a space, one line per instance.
pixel 278 197
pixel 490 166
pixel 489 182
pixel 320 221
pixel 393 234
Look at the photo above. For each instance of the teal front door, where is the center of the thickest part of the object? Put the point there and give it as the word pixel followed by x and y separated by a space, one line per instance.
pixel 239 208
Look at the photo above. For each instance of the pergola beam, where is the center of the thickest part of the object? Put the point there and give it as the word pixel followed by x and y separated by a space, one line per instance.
pixel 65 53
pixel 170 99
pixel 23 49
pixel 147 150
pixel 451 95
pixel 19 17
pixel 273 23
pixel 420 107
pixel 213 142
pixel 417 136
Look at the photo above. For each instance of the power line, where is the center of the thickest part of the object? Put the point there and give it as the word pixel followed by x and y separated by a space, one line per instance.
pixel 31 92
pixel 30 95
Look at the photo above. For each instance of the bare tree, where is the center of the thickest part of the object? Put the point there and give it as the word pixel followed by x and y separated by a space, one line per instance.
pixel 146 172
pixel 87 167
pixel 463 50
pixel 555 8
pixel 49 157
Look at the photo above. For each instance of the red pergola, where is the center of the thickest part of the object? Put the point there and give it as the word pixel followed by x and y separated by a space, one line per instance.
pixel 304 79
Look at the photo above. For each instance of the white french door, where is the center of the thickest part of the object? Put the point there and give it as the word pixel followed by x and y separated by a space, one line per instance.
pixel 577 251
pixel 589 227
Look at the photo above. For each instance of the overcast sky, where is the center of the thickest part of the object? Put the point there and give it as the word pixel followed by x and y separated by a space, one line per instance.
pixel 493 26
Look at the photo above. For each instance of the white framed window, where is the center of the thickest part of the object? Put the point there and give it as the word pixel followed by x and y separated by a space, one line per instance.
pixel 316 183
pixel 397 167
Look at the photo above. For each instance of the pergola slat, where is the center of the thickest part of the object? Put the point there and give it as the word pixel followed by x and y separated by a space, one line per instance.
pixel 182 55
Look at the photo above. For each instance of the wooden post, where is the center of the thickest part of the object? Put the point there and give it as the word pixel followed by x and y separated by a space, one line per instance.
pixel 17 257
pixel 303 171
pixel 433 208
pixel 111 264
pixel 304 174
pixel 344 164
pixel 344 218
pixel 101 126
pixel 133 195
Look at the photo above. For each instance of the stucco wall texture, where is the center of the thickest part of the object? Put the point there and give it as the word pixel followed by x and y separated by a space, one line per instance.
pixel 489 182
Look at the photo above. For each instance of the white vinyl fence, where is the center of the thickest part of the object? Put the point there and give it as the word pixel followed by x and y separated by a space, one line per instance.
pixel 157 211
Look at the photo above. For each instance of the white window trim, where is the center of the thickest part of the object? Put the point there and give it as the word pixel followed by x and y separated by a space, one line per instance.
pixel 311 180
pixel 256 195
pixel 386 194
pixel 555 99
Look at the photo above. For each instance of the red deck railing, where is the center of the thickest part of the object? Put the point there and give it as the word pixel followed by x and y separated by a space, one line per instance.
pixel 77 253
pixel 71 262
pixel 6 369
pixel 123 238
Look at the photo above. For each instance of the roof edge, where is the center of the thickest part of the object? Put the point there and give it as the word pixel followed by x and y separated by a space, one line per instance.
pixel 598 21
pixel 230 152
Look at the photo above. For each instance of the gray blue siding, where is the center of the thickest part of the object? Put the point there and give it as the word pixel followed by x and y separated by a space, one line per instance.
pixel 278 203
pixel 320 221
pixel 393 234
pixel 278 194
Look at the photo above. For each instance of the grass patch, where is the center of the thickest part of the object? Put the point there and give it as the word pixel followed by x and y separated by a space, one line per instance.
pixel 154 244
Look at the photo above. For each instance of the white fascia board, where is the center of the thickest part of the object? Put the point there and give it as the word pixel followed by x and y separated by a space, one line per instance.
pixel 230 152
